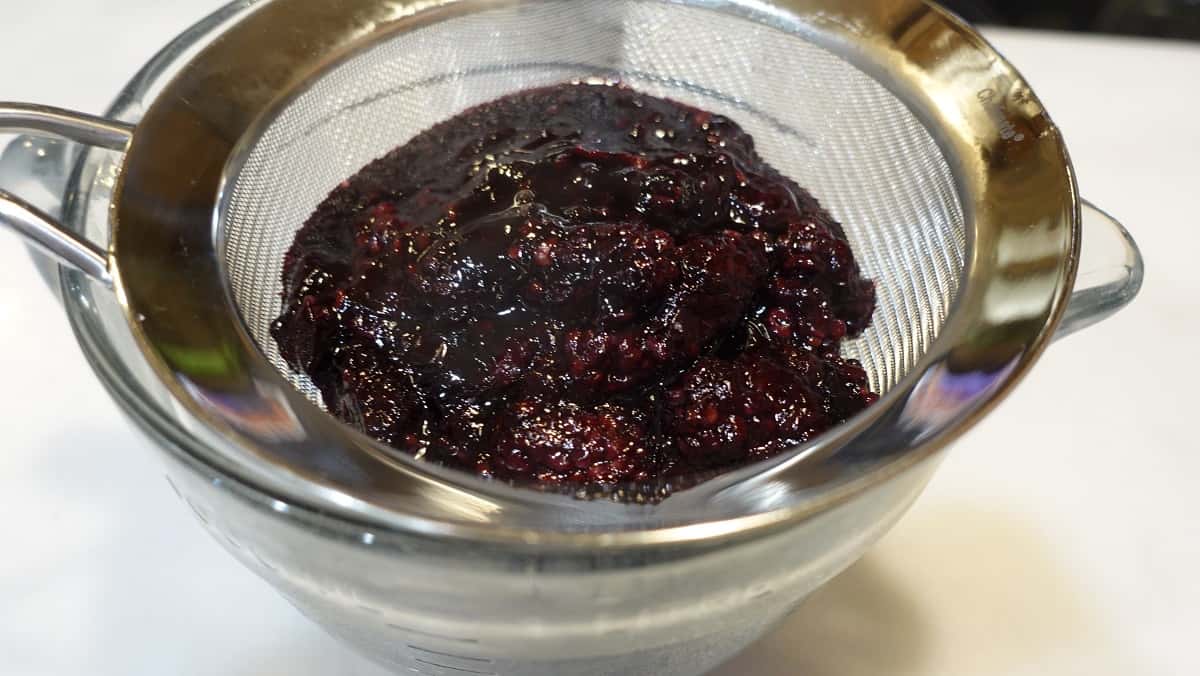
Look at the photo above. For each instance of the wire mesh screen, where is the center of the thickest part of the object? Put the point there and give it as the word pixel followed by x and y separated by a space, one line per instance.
pixel 815 117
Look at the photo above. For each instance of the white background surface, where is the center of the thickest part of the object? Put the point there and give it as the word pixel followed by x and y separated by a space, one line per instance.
pixel 1060 537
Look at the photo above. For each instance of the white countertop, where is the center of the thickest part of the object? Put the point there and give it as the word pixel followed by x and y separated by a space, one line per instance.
pixel 1062 535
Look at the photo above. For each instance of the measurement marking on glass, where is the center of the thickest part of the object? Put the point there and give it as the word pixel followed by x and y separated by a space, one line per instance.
pixel 438 636
pixel 459 669
pixel 482 660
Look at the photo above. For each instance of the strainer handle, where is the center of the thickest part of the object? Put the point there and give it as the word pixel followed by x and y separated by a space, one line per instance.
pixel 36 225
pixel 1110 272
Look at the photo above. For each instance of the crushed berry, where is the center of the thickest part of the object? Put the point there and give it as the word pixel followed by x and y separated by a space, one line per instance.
pixel 579 286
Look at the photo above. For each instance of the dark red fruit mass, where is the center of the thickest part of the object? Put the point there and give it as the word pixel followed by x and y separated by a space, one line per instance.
pixel 579 286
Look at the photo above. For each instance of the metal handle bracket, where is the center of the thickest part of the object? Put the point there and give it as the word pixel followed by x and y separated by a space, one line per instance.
pixel 34 224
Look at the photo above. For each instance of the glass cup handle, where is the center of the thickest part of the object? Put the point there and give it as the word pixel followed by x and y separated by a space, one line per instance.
pixel 36 225
pixel 1110 272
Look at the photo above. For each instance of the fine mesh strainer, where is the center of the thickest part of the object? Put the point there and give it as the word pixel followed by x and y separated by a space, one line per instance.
pixel 815 117
pixel 953 185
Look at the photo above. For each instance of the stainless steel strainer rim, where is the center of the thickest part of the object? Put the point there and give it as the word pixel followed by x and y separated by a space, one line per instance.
pixel 868 27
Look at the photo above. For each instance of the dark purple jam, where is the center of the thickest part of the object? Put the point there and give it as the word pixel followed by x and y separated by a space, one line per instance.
pixel 580 286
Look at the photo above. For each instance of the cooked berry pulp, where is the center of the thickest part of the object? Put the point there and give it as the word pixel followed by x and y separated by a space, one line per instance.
pixel 579 286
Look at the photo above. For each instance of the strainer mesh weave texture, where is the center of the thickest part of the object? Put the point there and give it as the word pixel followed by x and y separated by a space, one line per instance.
pixel 814 116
